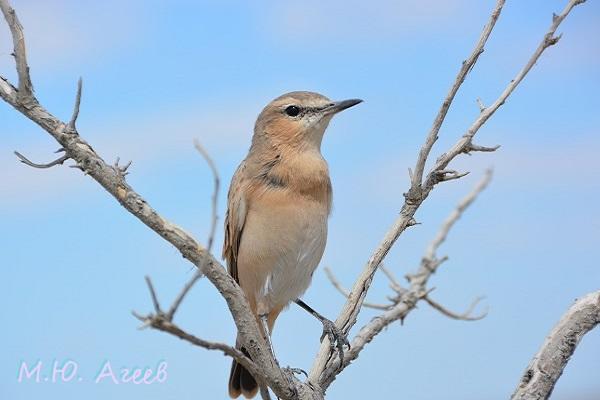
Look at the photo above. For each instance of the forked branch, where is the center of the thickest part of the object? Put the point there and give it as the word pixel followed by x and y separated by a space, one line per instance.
pixel 405 300
pixel 323 370
pixel 163 322
pixel 112 179
pixel 465 143
pixel 466 67
pixel 213 227
pixel 413 199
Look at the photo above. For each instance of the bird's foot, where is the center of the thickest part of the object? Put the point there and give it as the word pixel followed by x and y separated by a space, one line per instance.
pixel 290 374
pixel 337 338
pixel 295 371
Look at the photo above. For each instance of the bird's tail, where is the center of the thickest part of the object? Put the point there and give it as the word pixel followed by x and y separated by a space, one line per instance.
pixel 241 382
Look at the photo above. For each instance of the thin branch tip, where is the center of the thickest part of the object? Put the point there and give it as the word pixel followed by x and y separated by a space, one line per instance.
pixel 464 316
pixel 71 125
pixel 26 161
pixel 344 292
pixel 214 218
pixel 482 107
pixel 474 147
pixel 122 170
pixel 215 195
pixel 449 175
pixel 155 302
pixel 466 67
pixel 179 299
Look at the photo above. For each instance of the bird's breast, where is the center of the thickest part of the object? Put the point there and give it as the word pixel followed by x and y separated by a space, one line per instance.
pixel 283 241
pixel 302 174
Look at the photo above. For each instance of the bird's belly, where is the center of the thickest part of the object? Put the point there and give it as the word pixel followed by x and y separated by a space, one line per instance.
pixel 281 246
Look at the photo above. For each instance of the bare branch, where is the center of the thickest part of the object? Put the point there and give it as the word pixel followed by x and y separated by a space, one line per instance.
pixel 456 214
pixel 407 300
pixel 215 195
pixel 414 198
pixel 164 322
pixel 466 67
pixel 327 364
pixel 160 323
pixel 548 40
pixel 449 175
pixel 394 284
pixel 121 170
pixel 213 228
pixel 26 161
pixel 465 316
pixel 473 147
pixel 480 105
pixel 25 92
pixel 183 293
pixel 337 284
pixel 71 125
pixel 418 192
pixel 153 295
pixel 548 364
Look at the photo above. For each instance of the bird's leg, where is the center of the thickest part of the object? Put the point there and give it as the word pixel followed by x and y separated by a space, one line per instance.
pixel 337 338
pixel 265 328
pixel 264 318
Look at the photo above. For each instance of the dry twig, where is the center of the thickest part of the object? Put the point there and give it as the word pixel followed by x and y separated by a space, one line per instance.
pixel 467 315
pixel 405 300
pixel 213 228
pixel 338 285
pixel 71 125
pixel 26 161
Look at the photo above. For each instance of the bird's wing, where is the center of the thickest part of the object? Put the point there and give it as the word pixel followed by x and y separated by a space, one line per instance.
pixel 234 220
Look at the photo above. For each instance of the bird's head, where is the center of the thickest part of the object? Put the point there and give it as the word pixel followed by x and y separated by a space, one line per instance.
pixel 298 118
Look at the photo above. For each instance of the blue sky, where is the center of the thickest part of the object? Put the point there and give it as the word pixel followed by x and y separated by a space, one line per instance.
pixel 158 74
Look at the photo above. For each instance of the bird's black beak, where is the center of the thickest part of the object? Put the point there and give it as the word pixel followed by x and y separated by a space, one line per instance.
pixel 338 106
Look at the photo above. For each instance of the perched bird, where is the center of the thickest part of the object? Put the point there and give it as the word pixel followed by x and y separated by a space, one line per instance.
pixel 278 205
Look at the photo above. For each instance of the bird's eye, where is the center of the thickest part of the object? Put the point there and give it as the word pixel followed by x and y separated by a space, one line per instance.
pixel 292 111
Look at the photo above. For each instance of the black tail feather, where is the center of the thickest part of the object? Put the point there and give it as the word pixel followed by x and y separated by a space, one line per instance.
pixel 241 381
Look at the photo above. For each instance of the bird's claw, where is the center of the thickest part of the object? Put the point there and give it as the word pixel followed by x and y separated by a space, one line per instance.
pixel 291 378
pixel 337 339
pixel 296 371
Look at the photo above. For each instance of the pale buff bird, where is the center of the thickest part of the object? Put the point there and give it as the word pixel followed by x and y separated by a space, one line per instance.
pixel 278 205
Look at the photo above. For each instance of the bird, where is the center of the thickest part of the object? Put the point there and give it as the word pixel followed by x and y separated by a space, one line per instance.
pixel 278 205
